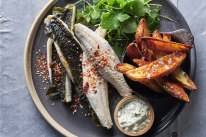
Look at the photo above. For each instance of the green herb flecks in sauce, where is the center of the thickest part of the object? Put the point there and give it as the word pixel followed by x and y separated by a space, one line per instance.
pixel 134 115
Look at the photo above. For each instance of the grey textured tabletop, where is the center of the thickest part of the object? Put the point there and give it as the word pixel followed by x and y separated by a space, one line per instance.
pixel 18 115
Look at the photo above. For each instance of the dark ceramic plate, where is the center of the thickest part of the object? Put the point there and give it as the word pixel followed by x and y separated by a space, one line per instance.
pixel 166 110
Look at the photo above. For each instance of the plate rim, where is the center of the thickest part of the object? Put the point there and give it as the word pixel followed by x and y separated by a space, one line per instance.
pixel 29 80
pixel 28 74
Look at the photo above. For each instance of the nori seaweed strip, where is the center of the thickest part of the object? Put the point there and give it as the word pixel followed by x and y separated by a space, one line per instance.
pixel 70 49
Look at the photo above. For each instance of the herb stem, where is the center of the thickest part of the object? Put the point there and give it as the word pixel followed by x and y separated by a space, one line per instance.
pixel 159 5
pixel 77 2
pixel 110 6
pixel 88 3
pixel 148 1
pixel 166 17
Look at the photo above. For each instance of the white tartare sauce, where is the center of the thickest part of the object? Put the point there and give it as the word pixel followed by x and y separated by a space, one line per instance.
pixel 134 115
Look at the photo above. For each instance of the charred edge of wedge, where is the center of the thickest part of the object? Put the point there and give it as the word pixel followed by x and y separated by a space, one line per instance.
pixel 133 51
pixel 157 68
pixel 165 46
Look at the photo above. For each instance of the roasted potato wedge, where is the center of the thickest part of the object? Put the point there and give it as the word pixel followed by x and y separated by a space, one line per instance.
pixel 124 67
pixel 157 68
pixel 156 35
pixel 166 37
pixel 141 31
pixel 147 53
pixel 133 51
pixel 158 54
pixel 178 73
pixel 173 88
pixel 140 62
pixel 183 79
pixel 165 46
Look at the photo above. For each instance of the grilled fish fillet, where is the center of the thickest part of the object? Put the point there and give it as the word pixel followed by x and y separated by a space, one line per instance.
pixel 96 90
pixel 68 49
pixel 102 57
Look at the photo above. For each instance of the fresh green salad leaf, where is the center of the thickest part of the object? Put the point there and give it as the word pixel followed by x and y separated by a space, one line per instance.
pixel 120 17
pixel 112 20
pixel 137 8
pixel 129 26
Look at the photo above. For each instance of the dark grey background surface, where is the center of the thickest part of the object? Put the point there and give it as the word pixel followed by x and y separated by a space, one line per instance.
pixel 18 115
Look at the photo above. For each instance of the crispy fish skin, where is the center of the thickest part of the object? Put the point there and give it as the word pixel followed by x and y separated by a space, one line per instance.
pixel 96 90
pixel 124 67
pixel 167 84
pixel 102 57
pixel 68 49
pixel 157 68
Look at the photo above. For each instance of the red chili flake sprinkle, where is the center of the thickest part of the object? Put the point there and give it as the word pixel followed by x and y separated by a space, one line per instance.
pixel 43 55
pixel 86 87
pixel 100 82
pixel 95 91
pixel 58 79
pixel 96 53
pixel 75 99
pixel 98 47
pixel 39 63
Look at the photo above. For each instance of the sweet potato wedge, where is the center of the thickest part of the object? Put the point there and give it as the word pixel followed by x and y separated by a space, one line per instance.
pixel 133 51
pixel 124 67
pixel 165 46
pixel 141 31
pixel 166 37
pixel 157 68
pixel 167 84
pixel 183 79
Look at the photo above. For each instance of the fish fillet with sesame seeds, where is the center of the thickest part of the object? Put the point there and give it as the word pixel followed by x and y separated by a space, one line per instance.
pixel 102 57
